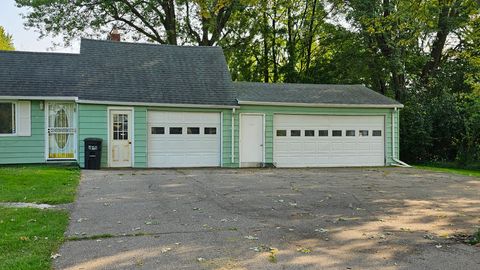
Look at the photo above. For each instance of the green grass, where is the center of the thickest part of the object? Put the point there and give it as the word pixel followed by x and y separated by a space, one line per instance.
pixel 28 237
pixel 467 172
pixel 38 184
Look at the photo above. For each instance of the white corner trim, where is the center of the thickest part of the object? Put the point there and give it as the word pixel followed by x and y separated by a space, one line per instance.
pixel 323 105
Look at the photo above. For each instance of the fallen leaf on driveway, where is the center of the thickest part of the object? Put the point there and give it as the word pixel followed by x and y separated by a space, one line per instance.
pixel 200 259
pixel 249 237
pixel 166 250
pixel 304 250
pixel 54 256
pixel 321 230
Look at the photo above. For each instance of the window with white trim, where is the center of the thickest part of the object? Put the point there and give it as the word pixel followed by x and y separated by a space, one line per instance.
pixel 7 118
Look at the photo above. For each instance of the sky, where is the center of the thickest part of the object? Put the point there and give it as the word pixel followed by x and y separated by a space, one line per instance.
pixel 28 39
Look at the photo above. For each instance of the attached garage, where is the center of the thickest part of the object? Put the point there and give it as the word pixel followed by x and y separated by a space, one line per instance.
pixel 328 140
pixel 183 139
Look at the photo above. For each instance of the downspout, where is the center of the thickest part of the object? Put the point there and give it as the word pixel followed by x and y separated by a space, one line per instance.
pixel 233 136
pixel 398 162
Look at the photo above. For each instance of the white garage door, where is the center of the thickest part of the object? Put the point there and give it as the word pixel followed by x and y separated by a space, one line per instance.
pixel 183 139
pixel 328 141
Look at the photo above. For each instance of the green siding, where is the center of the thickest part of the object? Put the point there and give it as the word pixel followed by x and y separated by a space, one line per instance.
pixel 270 111
pixel 26 149
pixel 140 137
pixel 92 123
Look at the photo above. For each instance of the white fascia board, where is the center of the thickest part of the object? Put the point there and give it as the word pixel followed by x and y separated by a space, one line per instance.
pixel 39 98
pixel 322 105
pixel 149 104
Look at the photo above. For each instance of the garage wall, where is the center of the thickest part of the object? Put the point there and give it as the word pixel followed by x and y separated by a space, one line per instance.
pixel 92 122
pixel 28 149
pixel 140 137
pixel 269 112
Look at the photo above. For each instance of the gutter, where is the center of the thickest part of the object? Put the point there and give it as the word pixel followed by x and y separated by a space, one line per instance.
pixel 152 104
pixel 398 162
pixel 324 105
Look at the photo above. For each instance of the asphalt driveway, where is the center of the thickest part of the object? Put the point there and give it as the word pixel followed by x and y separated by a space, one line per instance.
pixel 345 218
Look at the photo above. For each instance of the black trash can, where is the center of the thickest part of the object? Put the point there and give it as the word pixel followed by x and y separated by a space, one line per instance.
pixel 93 153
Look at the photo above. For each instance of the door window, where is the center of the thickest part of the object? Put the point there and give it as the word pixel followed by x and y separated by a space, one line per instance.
pixel 120 126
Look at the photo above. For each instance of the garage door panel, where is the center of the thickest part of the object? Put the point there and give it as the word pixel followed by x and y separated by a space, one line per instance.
pixel 183 150
pixel 315 151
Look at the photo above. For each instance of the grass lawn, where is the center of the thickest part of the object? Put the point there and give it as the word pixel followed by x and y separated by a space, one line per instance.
pixel 467 172
pixel 28 237
pixel 39 184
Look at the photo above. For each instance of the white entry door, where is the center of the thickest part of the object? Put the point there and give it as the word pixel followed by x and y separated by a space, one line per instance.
pixel 251 140
pixel 120 138
pixel 184 139
pixel 328 140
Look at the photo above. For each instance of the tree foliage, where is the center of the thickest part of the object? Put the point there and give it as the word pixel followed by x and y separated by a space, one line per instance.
pixel 6 40
pixel 425 54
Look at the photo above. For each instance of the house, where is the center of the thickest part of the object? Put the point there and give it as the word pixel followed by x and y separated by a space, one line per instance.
pixel 176 106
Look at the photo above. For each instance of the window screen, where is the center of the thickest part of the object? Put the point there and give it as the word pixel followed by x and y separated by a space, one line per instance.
pixel 350 133
pixel 323 133
pixel 336 133
pixel 7 118
pixel 281 132
pixel 158 130
pixel 377 133
pixel 309 133
pixel 295 133
pixel 193 130
pixel 175 130
pixel 363 133
pixel 210 130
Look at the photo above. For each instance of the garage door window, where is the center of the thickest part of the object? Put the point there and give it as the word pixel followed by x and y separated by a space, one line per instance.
pixel 281 133
pixel 210 130
pixel 295 133
pixel 350 133
pixel 363 133
pixel 336 133
pixel 175 130
pixel 323 133
pixel 377 133
pixel 309 133
pixel 193 130
pixel 158 130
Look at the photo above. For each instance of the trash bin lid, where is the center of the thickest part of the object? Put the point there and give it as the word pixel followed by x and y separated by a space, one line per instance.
pixel 92 140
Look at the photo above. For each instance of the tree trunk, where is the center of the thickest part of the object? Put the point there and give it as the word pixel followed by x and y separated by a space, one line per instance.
pixel 265 45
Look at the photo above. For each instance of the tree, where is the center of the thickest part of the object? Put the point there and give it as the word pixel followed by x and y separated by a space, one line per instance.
pixel 163 21
pixel 6 40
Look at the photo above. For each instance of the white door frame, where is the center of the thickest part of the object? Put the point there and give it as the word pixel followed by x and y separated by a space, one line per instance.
pixel 46 117
pixel 131 131
pixel 240 136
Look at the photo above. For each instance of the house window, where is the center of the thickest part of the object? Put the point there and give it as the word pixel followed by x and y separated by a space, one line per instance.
pixel 363 133
pixel 175 130
pixel 309 133
pixel 210 130
pixel 281 133
pixel 336 133
pixel 193 130
pixel 7 118
pixel 295 133
pixel 377 133
pixel 350 133
pixel 158 130
pixel 323 133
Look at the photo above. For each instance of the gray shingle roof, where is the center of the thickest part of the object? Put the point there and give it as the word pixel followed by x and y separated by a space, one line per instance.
pixel 121 71
pixel 310 94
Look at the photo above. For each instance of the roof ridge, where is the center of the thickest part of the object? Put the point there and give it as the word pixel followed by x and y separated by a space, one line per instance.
pixel 146 44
